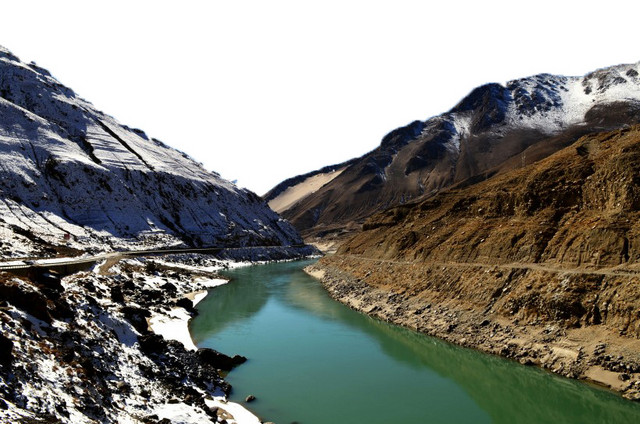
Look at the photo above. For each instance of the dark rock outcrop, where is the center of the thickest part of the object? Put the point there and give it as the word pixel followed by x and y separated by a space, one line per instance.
pixel 220 360
pixel 137 317
pixel 6 347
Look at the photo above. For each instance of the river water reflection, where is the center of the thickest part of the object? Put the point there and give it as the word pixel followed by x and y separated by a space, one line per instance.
pixel 313 360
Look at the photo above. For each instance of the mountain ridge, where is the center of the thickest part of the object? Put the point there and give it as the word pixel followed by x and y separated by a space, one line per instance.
pixel 75 177
pixel 495 128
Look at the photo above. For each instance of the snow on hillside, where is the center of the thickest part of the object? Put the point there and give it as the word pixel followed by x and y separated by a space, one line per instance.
pixel 73 176
pixel 494 128
pixel 547 103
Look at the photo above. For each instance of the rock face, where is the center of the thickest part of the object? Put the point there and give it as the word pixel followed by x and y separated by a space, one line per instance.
pixel 553 245
pixel 494 129
pixel 73 176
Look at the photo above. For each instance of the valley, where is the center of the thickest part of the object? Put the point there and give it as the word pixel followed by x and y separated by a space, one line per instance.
pixel 508 225
pixel 105 236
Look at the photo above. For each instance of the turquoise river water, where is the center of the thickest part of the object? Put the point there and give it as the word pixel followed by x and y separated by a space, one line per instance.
pixel 314 360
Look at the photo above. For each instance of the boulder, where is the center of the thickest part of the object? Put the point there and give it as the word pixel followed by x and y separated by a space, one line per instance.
pixel 220 360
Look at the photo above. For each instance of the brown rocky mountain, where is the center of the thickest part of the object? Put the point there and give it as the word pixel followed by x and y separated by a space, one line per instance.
pixel 494 129
pixel 540 264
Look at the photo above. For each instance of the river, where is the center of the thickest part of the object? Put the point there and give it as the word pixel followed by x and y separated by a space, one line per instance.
pixel 314 360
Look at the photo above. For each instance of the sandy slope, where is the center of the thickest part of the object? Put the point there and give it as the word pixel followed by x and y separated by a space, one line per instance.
pixel 299 191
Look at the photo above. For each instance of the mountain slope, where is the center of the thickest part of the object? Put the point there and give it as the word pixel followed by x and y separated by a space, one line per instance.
pixel 538 264
pixel 73 176
pixel 494 129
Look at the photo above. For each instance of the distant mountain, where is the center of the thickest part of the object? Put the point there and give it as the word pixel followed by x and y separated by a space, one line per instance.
pixel 75 177
pixel 494 129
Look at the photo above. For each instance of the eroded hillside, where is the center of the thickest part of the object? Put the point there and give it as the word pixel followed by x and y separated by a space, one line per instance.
pixel 540 264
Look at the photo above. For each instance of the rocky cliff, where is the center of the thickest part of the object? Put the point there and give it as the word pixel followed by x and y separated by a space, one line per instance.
pixel 74 177
pixel 494 129
pixel 80 349
pixel 539 263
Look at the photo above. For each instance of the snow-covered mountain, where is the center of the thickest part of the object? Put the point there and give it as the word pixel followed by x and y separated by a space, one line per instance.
pixel 74 176
pixel 495 128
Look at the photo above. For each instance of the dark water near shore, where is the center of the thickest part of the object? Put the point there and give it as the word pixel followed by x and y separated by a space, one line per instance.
pixel 313 360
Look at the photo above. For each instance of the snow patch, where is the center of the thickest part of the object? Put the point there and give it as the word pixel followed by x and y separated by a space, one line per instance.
pixel 181 413
pixel 173 326
pixel 240 414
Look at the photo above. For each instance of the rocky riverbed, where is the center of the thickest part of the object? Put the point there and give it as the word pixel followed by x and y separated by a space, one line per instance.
pixel 589 352
pixel 79 349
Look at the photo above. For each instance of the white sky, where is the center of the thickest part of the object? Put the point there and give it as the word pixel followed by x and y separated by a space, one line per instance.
pixel 260 91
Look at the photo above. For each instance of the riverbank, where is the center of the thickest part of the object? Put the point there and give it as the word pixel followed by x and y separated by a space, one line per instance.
pixel 80 349
pixel 393 292
pixel 174 325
